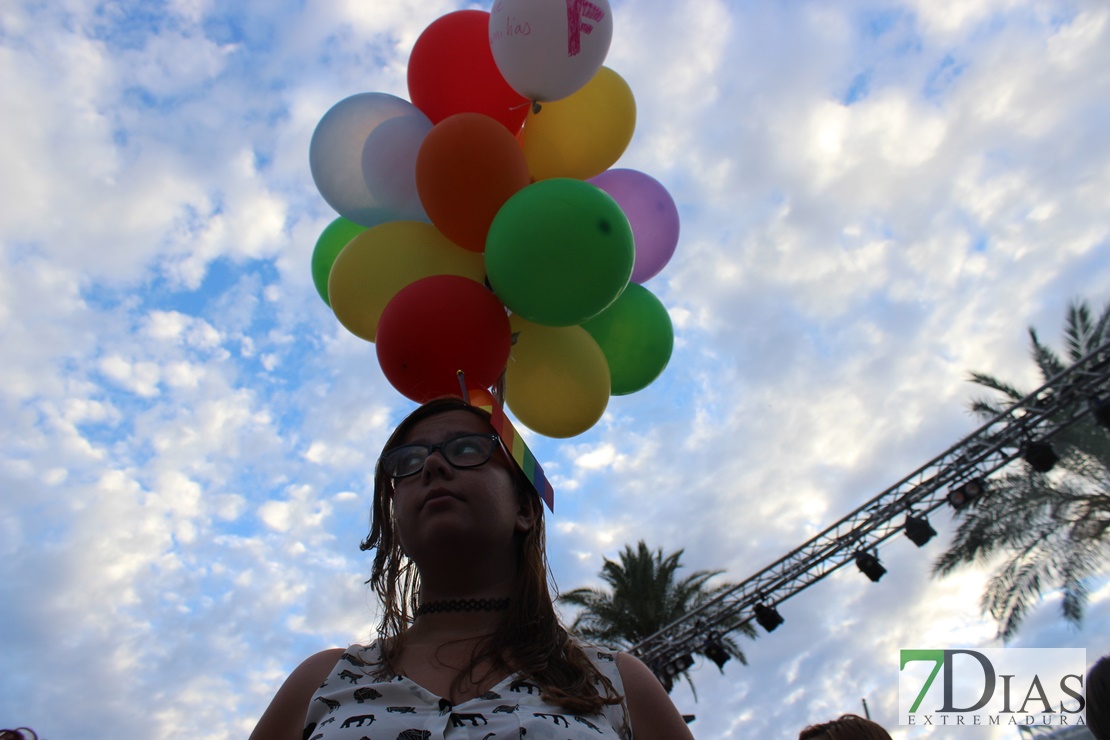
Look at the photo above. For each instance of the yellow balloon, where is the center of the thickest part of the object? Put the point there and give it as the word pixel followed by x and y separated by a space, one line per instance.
pixel 557 379
pixel 582 135
pixel 378 262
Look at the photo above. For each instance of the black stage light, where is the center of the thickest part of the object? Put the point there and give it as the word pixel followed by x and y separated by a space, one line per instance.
pixel 768 617
pixel 679 664
pixel 716 652
pixel 1040 456
pixel 919 530
pixel 963 495
pixel 870 565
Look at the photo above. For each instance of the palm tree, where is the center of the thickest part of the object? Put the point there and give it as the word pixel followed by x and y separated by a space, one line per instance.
pixel 646 595
pixel 1049 530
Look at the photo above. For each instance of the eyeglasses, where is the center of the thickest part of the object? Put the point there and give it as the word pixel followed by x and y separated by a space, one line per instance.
pixel 463 451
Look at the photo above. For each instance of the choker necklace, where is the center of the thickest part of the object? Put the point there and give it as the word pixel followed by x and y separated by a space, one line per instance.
pixel 463 605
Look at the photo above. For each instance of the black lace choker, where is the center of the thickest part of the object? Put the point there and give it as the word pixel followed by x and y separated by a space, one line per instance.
pixel 463 605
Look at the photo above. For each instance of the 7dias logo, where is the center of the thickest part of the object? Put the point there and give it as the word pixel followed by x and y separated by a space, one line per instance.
pixel 992 687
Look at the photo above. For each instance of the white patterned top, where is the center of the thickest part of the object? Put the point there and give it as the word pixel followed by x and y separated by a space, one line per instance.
pixel 353 705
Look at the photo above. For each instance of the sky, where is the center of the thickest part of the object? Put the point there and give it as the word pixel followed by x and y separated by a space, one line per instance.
pixel 876 198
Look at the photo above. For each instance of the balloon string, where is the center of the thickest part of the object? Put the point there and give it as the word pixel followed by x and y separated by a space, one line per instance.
pixel 498 390
pixel 462 385
pixel 536 107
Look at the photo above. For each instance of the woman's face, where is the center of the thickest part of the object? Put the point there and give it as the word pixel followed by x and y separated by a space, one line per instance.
pixel 442 506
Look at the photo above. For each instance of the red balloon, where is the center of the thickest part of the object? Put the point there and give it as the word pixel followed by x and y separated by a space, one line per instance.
pixel 451 70
pixel 466 169
pixel 437 326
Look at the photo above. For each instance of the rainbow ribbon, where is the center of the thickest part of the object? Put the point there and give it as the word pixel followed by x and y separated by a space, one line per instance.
pixel 513 442
pixel 520 452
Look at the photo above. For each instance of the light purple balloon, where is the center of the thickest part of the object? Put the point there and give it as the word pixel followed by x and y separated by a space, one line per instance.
pixel 652 213
pixel 337 151
pixel 389 164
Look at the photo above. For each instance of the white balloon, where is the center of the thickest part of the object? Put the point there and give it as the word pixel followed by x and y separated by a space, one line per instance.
pixel 548 49
pixel 363 158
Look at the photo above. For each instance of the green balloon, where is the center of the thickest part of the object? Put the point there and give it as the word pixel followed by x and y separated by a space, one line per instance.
pixel 331 242
pixel 559 251
pixel 636 336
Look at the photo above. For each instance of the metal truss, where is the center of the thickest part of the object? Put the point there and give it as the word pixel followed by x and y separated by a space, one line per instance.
pixel 1044 413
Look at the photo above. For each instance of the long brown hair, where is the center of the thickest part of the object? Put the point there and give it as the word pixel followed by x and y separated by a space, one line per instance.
pixel 845 727
pixel 529 636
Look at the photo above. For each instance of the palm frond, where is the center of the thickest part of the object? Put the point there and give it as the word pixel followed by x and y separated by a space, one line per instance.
pixel 1041 532
pixel 1047 360
pixel 1101 330
pixel 644 594
pixel 1079 331
pixel 989 381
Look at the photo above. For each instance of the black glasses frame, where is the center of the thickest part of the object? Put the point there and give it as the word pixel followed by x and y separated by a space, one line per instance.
pixel 390 458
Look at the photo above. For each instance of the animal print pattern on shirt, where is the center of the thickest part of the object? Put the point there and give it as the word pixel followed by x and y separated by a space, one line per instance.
pixel 353 705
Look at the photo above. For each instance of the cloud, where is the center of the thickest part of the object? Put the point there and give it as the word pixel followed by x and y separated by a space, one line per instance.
pixel 875 200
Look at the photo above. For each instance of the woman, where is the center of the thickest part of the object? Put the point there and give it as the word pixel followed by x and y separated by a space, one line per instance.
pixel 469 644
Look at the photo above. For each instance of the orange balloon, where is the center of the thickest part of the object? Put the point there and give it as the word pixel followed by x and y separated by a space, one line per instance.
pixel 479 396
pixel 467 167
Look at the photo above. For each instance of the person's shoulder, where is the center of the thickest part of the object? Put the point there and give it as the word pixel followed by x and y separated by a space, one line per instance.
pixel 650 708
pixel 324 660
pixel 284 718
pixel 631 666
pixel 314 669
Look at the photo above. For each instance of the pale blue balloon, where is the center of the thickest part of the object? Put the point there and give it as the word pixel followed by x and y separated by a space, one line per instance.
pixel 363 158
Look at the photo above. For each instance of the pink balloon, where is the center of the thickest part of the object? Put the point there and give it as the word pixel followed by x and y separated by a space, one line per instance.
pixel 652 213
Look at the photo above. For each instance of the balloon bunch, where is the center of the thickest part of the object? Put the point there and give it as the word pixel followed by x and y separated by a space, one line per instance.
pixel 481 227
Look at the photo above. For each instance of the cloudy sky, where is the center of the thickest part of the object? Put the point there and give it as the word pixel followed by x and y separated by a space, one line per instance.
pixel 876 198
